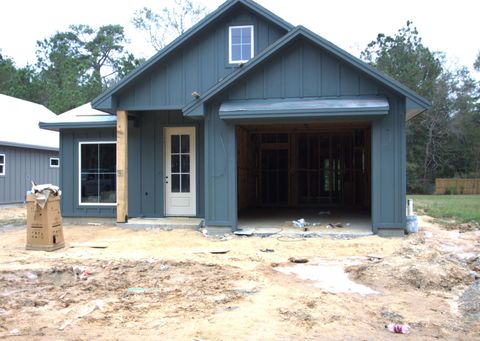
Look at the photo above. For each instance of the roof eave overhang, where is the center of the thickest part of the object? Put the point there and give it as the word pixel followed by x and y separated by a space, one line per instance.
pixel 414 109
pixel 294 115
pixel 365 107
pixel 29 146
pixel 57 126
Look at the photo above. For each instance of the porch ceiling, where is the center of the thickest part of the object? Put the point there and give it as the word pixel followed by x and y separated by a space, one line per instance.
pixel 317 107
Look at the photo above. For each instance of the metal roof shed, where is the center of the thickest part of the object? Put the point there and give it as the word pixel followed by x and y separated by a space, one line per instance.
pixel 27 153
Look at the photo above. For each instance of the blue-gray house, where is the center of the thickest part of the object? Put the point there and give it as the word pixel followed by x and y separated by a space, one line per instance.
pixel 243 111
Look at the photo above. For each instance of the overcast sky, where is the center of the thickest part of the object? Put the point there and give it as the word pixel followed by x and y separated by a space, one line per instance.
pixel 445 25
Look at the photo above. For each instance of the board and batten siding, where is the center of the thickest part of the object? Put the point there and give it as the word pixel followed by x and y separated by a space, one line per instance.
pixel 146 173
pixel 196 66
pixel 69 175
pixel 220 170
pixel 303 70
pixel 145 164
pixel 389 177
pixel 22 166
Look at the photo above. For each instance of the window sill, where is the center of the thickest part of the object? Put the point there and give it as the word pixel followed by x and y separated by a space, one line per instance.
pixel 96 205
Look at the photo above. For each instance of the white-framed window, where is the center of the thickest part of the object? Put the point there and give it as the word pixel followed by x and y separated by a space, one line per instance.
pixel 240 44
pixel 54 162
pixel 97 163
pixel 2 164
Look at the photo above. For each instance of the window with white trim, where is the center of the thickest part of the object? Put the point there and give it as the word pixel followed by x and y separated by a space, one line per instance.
pixel 54 162
pixel 2 164
pixel 97 168
pixel 240 44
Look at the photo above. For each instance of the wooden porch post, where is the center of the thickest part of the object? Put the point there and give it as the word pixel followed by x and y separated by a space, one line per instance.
pixel 122 166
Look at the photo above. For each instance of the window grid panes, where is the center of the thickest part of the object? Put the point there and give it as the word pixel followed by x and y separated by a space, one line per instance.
pixel 2 164
pixel 98 173
pixel 180 163
pixel 241 44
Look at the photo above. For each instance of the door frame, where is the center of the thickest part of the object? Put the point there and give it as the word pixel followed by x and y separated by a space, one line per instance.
pixel 173 130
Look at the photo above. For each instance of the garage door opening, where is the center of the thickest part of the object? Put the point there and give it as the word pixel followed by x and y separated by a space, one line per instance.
pixel 320 172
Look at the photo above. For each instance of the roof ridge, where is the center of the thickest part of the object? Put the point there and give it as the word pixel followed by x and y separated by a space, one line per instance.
pixel 324 43
pixel 207 20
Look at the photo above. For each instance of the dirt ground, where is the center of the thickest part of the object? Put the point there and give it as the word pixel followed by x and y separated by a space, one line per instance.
pixel 154 284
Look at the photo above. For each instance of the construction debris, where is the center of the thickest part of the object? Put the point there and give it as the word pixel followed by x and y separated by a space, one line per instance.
pixel 42 192
pixel 300 223
pixel 244 232
pixel 298 260
pixel 32 275
pixel 84 311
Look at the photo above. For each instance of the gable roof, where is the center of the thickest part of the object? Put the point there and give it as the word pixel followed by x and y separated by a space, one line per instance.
pixel 19 124
pixel 104 102
pixel 415 103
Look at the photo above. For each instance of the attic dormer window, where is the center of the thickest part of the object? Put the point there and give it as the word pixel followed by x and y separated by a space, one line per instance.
pixel 240 44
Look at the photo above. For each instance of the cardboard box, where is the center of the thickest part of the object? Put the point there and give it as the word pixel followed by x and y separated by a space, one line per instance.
pixel 44 225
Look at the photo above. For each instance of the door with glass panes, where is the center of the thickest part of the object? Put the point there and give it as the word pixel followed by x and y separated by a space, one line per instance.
pixel 180 186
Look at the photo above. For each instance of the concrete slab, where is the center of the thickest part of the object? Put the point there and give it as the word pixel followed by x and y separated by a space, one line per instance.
pixel 387 233
pixel 94 221
pixel 218 231
pixel 170 222
pixel 332 222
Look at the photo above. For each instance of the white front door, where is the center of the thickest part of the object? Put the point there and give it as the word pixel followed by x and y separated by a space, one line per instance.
pixel 180 172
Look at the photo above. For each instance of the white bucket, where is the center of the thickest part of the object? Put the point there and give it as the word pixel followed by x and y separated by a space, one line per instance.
pixel 412 224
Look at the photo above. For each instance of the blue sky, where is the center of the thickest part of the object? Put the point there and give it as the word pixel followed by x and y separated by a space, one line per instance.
pixel 449 26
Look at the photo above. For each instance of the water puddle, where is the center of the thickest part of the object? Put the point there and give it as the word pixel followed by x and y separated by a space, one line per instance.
pixel 328 276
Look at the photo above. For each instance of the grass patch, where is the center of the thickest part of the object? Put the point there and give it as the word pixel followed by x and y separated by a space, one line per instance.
pixel 13 222
pixel 461 208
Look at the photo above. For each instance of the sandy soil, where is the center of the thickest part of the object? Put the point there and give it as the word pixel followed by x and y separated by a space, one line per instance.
pixel 13 215
pixel 155 284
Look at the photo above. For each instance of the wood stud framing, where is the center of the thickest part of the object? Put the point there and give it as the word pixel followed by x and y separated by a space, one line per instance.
pixel 122 166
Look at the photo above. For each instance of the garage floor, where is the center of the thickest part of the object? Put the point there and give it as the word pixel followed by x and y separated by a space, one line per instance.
pixel 344 221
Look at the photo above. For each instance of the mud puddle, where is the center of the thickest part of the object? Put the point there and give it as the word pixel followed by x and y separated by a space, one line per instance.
pixel 329 276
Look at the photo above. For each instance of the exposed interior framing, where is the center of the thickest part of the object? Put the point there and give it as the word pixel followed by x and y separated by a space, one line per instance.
pixel 304 166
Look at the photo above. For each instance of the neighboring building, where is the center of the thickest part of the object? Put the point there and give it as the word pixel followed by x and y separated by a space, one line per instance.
pixel 242 111
pixel 27 153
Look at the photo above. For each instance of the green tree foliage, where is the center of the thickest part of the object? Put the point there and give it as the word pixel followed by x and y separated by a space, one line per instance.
pixel 7 74
pixel 405 58
pixel 18 82
pixel 161 28
pixel 466 125
pixel 439 141
pixel 75 66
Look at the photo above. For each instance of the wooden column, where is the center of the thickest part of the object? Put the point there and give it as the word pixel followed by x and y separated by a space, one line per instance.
pixel 122 166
